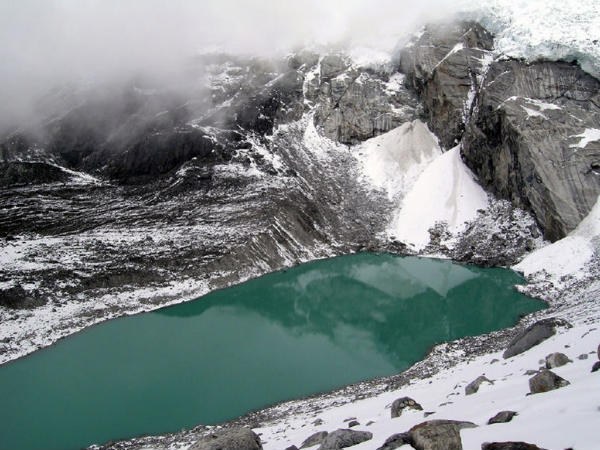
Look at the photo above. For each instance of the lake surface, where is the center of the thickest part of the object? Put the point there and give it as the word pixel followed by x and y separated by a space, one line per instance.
pixel 288 334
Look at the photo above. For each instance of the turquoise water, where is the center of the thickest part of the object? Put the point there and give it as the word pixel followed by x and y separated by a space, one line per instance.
pixel 285 335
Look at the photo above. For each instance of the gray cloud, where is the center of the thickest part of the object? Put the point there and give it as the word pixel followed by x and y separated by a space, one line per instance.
pixel 45 43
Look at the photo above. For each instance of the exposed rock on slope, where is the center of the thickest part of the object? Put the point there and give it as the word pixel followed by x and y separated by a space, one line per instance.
pixel 444 66
pixel 534 139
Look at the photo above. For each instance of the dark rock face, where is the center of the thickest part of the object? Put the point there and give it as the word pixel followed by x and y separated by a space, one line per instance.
pixel 473 386
pixel 396 440
pixel 533 335
pixel 502 417
pixel 556 360
pixel 344 438
pixel 314 439
pixel 17 173
pixel 438 435
pixel 232 439
pixel 402 403
pixel 509 446
pixel 444 66
pixel 525 140
pixel 546 381
pixel 16 297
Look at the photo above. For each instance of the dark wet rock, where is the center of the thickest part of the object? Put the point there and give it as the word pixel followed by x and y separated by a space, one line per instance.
pixel 402 403
pixel 522 140
pixel 314 439
pixel 509 446
pixel 546 381
pixel 16 297
pixel 353 423
pixel 443 66
pixel 19 173
pixel 556 360
pixel 533 335
pixel 596 366
pixel 396 440
pixel 438 434
pixel 343 438
pixel 473 386
pixel 502 417
pixel 230 439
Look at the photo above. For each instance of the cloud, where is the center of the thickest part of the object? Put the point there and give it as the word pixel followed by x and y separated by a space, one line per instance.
pixel 45 43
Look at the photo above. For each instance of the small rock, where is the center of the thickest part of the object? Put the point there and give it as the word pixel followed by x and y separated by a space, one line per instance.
pixel 546 381
pixel 598 351
pixel 353 423
pixel 229 439
pixel 556 360
pixel 493 361
pixel 314 439
pixel 533 335
pixel 509 446
pixel 531 372
pixel 596 366
pixel 349 419
pixel 404 402
pixel 396 440
pixel 370 422
pixel 292 447
pixel 473 386
pixel 343 438
pixel 583 356
pixel 318 422
pixel 502 417
pixel 438 435
pixel 428 413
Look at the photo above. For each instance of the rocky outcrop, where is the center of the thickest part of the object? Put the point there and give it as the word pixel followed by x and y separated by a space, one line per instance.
pixel 546 381
pixel 438 435
pixel 314 439
pixel 230 439
pixel 473 386
pixel 343 438
pixel 403 403
pixel 502 417
pixel 533 335
pixel 531 140
pixel 444 65
pixel 20 173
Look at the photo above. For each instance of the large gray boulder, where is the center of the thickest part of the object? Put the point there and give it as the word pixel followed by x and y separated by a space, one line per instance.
pixel 556 359
pixel 527 140
pixel 314 439
pixel 546 381
pixel 438 435
pixel 402 403
pixel 509 446
pixel 444 66
pixel 230 439
pixel 533 335
pixel 343 438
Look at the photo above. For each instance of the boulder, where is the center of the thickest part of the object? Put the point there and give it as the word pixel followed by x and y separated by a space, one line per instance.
pixel 583 356
pixel 509 446
pixel 343 438
pixel 402 403
pixel 546 381
pixel 438 435
pixel 473 386
pixel 502 417
pixel 525 140
pixel 556 360
pixel 314 439
pixel 533 335
pixel 353 423
pixel 291 447
pixel 396 440
pixel 596 366
pixel 229 439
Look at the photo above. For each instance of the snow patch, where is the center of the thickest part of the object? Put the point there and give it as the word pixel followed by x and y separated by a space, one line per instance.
pixel 589 135
pixel 394 160
pixel 445 192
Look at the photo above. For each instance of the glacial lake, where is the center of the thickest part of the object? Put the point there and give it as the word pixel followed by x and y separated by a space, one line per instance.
pixel 289 334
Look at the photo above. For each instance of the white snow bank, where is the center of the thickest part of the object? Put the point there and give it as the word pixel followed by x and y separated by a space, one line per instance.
pixel 569 255
pixel 445 192
pixel 589 135
pixel 394 160
pixel 563 418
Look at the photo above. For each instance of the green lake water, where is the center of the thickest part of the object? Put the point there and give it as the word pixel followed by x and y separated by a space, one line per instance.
pixel 288 334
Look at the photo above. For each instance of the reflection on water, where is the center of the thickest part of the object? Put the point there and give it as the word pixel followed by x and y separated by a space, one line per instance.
pixel 285 335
